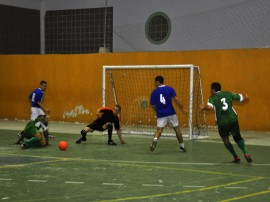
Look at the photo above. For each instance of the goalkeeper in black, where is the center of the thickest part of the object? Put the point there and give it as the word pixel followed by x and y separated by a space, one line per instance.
pixel 227 119
pixel 106 118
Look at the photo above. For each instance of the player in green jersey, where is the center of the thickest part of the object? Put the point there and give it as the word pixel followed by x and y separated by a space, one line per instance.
pixel 227 119
pixel 31 136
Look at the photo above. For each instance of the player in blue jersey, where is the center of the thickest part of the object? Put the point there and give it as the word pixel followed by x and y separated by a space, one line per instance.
pixel 161 100
pixel 35 99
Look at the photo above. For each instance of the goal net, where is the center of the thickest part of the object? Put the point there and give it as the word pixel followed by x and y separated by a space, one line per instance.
pixel 131 87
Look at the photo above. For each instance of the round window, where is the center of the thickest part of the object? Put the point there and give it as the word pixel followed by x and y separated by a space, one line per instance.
pixel 158 28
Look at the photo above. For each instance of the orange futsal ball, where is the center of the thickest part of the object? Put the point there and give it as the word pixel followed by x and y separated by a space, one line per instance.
pixel 62 145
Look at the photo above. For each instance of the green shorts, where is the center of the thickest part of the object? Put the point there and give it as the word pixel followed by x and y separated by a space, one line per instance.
pixel 226 130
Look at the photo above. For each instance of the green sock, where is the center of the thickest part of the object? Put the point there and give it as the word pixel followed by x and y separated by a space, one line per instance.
pixel 34 141
pixel 231 149
pixel 242 146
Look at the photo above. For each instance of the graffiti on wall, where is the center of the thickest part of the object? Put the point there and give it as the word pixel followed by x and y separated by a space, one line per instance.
pixel 79 109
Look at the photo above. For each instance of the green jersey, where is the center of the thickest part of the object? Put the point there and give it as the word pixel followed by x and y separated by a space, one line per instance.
pixel 223 107
pixel 32 127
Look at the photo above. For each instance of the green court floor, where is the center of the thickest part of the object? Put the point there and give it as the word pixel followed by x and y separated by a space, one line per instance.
pixel 94 171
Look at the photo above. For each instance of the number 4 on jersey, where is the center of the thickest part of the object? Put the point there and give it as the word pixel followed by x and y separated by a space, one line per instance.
pixel 162 99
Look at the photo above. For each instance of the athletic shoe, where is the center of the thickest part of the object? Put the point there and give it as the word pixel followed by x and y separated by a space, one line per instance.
pixel 236 160
pixel 153 145
pixel 112 143
pixel 82 139
pixel 19 134
pixel 24 146
pixel 50 136
pixel 249 160
pixel 182 149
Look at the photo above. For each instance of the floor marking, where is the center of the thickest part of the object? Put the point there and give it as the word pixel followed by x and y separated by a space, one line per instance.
pixel 193 186
pixel 246 196
pixel 153 185
pixel 112 184
pixel 5 179
pixel 185 169
pixel 235 187
pixel 5 198
pixel 70 182
pixel 29 164
pixel 184 191
pixel 133 163
pixel 37 180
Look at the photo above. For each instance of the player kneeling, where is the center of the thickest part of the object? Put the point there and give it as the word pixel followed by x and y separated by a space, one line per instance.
pixel 31 136
pixel 106 118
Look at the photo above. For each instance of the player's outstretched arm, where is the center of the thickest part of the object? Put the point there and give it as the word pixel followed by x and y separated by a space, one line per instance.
pixel 205 107
pixel 245 97
pixel 154 108
pixel 119 133
pixel 47 111
pixel 179 103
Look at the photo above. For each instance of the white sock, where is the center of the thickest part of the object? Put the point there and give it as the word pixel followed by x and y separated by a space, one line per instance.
pixel 155 139
pixel 182 145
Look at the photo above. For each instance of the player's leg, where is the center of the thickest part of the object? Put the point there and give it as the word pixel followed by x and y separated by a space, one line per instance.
pixel 34 139
pixel 89 128
pixel 47 124
pixel 224 132
pixel 161 122
pixel 23 134
pixel 109 127
pixel 173 121
pixel 156 137
pixel 235 131
pixel 36 112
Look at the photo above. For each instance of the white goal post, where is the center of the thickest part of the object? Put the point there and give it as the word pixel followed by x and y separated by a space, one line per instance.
pixel 131 86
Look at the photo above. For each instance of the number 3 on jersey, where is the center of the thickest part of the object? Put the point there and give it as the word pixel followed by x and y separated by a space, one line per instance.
pixel 162 99
pixel 224 103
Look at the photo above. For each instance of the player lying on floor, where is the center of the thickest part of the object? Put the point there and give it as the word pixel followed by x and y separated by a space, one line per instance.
pixel 31 136
pixel 106 118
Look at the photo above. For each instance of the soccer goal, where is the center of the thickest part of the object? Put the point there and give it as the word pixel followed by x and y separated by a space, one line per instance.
pixel 131 87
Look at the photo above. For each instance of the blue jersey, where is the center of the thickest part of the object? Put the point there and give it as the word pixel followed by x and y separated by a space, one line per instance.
pixel 161 98
pixel 36 96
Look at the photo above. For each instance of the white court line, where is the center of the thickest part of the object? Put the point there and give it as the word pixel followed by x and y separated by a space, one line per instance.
pixel 112 184
pixel 5 179
pixel 70 182
pixel 37 180
pixel 193 186
pixel 140 162
pixel 152 185
pixel 235 187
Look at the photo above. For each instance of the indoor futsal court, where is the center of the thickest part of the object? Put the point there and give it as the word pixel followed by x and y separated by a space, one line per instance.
pixel 133 100
pixel 94 171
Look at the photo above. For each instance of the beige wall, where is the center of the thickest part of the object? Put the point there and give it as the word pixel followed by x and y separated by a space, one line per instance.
pixel 76 80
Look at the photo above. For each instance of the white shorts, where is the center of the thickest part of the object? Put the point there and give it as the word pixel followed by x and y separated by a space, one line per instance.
pixel 35 112
pixel 171 120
